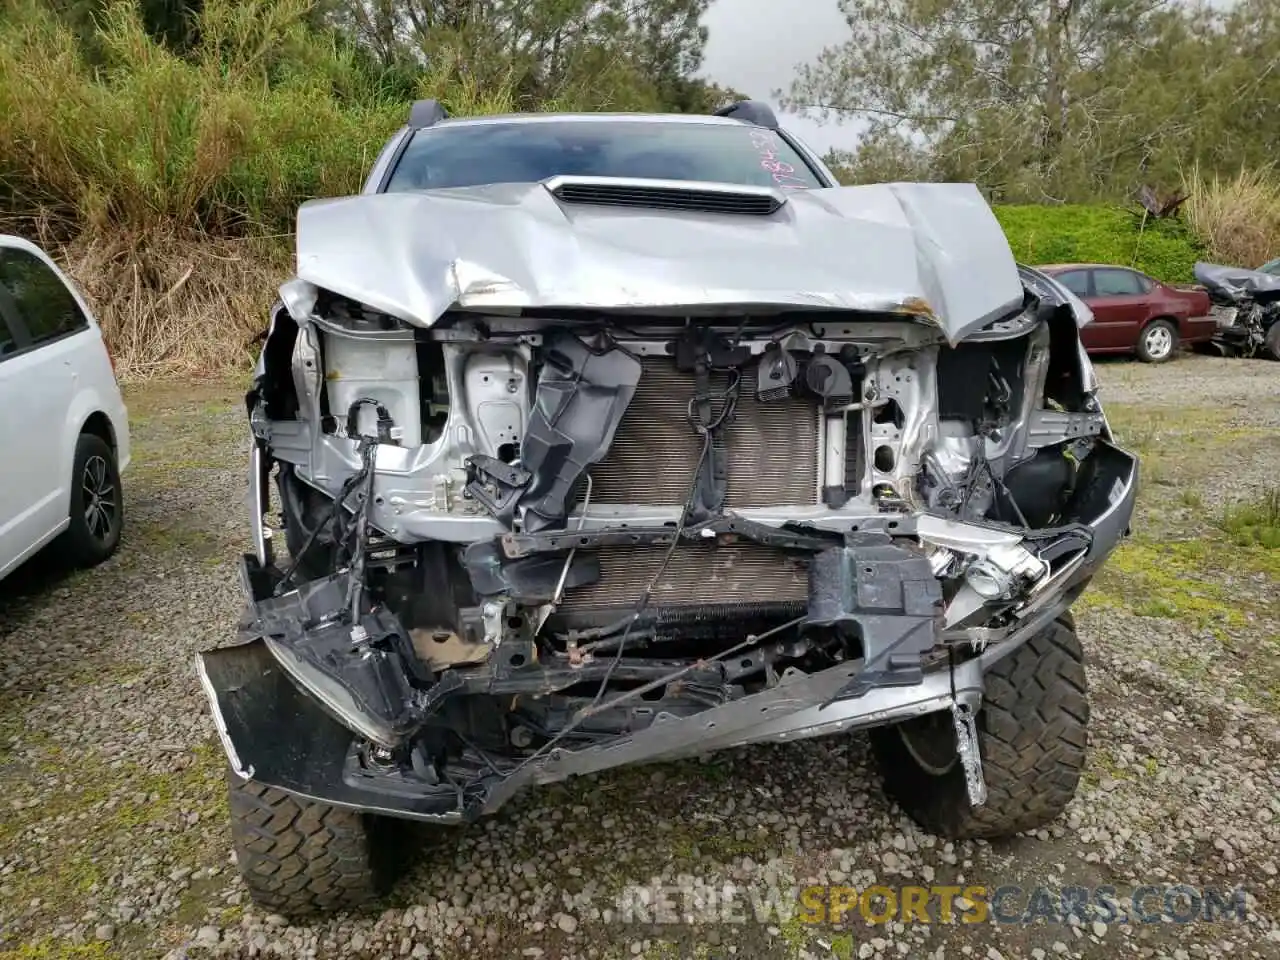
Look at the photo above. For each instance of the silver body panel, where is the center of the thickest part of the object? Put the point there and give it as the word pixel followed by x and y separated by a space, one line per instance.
pixel 929 250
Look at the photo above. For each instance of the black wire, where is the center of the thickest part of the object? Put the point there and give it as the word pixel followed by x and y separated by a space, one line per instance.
pixel 478 752
pixel 336 514
pixel 297 560
pixel 679 672
pixel 730 398
pixel 355 585
pixel 367 447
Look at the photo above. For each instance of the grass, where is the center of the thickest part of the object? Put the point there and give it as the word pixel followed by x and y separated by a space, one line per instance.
pixel 1237 219
pixel 1223 598
pixel 1254 522
pixel 174 304
pixel 168 185
pixel 1159 435
pixel 1207 566
pixel 224 142
pixel 50 949
pixel 1174 579
pixel 109 799
pixel 1232 220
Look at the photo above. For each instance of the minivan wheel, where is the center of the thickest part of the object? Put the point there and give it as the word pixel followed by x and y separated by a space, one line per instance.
pixel 1031 736
pixel 97 505
pixel 301 858
pixel 1158 342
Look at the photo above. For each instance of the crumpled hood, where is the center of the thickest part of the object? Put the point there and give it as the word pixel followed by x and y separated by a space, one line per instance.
pixel 933 250
pixel 1236 281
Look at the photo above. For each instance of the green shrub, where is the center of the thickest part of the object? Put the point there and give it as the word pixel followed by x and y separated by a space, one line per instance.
pixel 1165 249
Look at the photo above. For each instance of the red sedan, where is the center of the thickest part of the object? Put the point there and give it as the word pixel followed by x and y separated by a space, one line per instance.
pixel 1132 313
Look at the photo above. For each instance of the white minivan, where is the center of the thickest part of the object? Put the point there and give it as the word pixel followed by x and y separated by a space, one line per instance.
pixel 64 434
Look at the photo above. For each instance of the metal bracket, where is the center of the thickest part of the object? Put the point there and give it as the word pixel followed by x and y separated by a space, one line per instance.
pixel 259 500
pixel 966 725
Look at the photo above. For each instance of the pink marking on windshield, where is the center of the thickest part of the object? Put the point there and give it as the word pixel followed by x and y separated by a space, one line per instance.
pixel 782 173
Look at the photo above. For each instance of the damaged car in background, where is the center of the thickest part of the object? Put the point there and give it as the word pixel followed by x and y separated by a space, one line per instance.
pixel 608 439
pixel 1246 304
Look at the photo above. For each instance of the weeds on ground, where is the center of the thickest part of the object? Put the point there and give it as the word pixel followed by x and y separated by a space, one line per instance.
pixel 1254 522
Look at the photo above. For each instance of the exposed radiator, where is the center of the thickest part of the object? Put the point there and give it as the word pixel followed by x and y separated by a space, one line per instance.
pixel 772 447
pixel 701 574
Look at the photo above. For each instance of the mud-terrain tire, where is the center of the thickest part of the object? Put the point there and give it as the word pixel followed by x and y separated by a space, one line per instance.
pixel 1032 732
pixel 299 858
pixel 1271 345
pixel 1158 342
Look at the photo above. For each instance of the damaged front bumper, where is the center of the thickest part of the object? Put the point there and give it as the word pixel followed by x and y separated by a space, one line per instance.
pixel 277 707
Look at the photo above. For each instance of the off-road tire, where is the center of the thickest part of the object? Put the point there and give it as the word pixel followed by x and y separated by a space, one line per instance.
pixel 1144 349
pixel 1271 345
pixel 84 544
pixel 1032 739
pixel 299 858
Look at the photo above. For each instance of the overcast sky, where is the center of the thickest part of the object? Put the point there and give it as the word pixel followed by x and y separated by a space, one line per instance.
pixel 755 45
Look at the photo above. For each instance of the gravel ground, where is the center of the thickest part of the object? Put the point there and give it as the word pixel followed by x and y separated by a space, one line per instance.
pixel 113 839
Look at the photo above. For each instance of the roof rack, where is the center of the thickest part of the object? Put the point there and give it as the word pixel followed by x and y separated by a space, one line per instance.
pixel 751 111
pixel 426 113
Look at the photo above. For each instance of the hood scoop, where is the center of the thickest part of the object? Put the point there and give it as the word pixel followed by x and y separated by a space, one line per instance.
pixel 690 196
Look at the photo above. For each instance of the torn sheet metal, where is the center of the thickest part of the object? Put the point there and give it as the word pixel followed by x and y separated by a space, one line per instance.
pixel 934 250
pixel 1052 290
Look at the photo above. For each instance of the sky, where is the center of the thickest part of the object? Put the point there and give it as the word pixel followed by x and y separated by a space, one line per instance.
pixel 755 45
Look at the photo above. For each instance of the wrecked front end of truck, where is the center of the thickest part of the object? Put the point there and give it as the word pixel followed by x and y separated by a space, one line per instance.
pixel 620 478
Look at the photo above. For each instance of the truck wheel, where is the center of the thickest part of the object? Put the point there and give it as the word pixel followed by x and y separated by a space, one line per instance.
pixel 1032 738
pixel 1272 342
pixel 300 858
pixel 1158 342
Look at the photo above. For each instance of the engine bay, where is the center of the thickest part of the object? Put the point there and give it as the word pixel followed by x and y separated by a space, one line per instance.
pixel 512 535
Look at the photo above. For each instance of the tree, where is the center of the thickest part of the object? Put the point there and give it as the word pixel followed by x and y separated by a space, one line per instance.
pixel 624 54
pixel 171 21
pixel 1036 99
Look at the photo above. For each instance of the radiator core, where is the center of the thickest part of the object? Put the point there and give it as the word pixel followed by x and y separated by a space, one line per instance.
pixel 698 574
pixel 772 448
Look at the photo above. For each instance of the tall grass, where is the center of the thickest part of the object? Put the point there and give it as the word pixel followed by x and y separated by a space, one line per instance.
pixel 169 184
pixel 226 142
pixel 1238 218
pixel 173 305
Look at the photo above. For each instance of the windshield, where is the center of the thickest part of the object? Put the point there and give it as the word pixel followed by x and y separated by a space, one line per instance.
pixel 1271 266
pixel 470 154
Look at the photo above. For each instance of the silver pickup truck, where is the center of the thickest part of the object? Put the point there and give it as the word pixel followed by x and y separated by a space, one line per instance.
pixel 607 439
